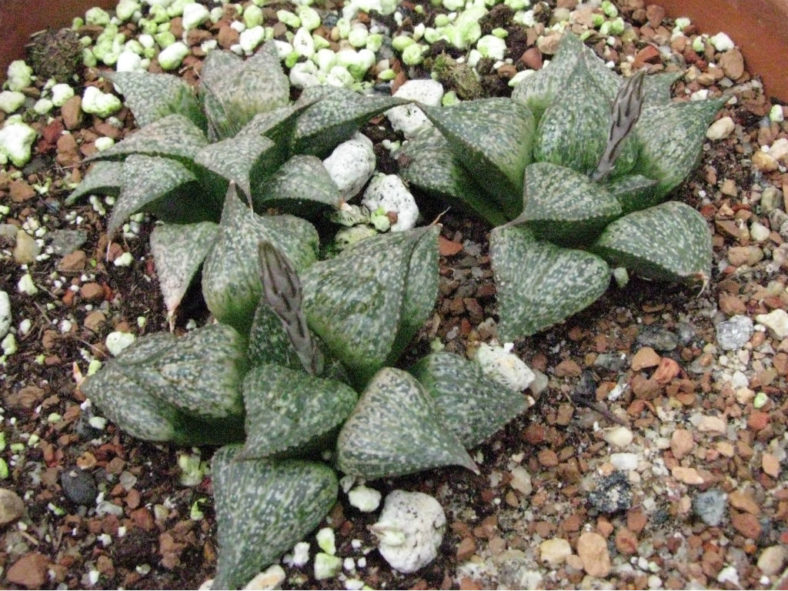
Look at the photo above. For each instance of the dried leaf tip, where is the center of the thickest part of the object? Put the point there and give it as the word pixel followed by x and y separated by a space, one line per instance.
pixel 625 113
pixel 282 292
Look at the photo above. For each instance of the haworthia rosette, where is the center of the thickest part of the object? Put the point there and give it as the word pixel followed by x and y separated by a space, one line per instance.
pixel 263 508
pixel 396 429
pixel 289 412
pixel 670 242
pixel 541 284
pixel 473 406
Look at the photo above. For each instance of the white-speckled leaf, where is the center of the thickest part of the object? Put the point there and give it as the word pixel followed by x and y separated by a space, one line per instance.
pixel 161 186
pixel 473 406
pixel 235 90
pixel 178 251
pixel 269 342
pixel 633 191
pixel 548 85
pixel 231 279
pixel 335 115
pixel 565 206
pixel 244 159
pixel 153 96
pixel 397 429
pixel 356 301
pixel 492 139
pixel 428 164
pixel 289 412
pixel 670 242
pixel 263 508
pixel 301 186
pixel 540 284
pixel 657 87
pixel 573 131
pixel 103 178
pixel 141 411
pixel 671 137
pixel 173 136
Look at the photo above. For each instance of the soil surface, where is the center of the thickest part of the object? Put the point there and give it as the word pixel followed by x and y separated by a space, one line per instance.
pixel 656 450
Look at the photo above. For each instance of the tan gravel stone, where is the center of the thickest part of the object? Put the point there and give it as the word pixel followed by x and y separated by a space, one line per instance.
pixel 26 250
pixel 73 262
pixel 645 357
pixel 554 551
pixel 626 541
pixel 592 549
pixel 72 112
pixel 466 549
pixel 11 506
pixel 743 501
pixel 29 571
pixel 764 161
pixel 720 129
pixel 770 465
pixel 744 255
pixel 681 443
pixel 91 292
pixel 746 524
pixel 20 191
pixel 712 424
pixel 568 368
pixel 686 475
pixel 772 559
pixel 732 63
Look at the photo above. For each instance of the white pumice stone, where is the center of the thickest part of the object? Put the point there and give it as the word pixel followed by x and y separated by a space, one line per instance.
pixel 410 530
pixel 194 14
pixel 327 566
pixel 351 164
pixel 11 100
pixel 270 578
pixel 503 366
pixel 16 140
pixel 171 56
pixel 326 540
pixel 409 119
pixel 104 104
pixel 364 499
pixel 387 191
pixel 26 285
pixel 5 313
pixel 117 341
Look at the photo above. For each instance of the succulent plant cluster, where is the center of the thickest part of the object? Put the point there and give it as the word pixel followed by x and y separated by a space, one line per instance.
pixel 575 187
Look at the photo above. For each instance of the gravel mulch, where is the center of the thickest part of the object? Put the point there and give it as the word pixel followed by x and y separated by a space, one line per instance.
pixel 654 457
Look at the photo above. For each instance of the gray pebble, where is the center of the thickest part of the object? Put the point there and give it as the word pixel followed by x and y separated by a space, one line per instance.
pixel 611 361
pixel 658 338
pixel 612 494
pixel 686 332
pixel 711 506
pixel 79 486
pixel 66 241
pixel 734 333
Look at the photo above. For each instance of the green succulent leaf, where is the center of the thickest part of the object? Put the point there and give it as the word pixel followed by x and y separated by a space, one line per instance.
pixel 153 96
pixel 178 251
pixel 263 508
pixel 289 412
pixel 564 206
pixel 173 136
pixel 492 138
pixel 235 90
pixel 357 302
pixel 231 279
pixel 396 429
pixel 540 284
pixel 656 87
pixel 241 159
pixel 670 242
pixel 547 86
pixel 103 178
pixel 128 394
pixel 269 341
pixel 301 186
pixel 573 131
pixel 671 138
pixel 160 186
pixel 333 117
pixel 430 165
pixel 633 192
pixel 278 125
pixel 472 406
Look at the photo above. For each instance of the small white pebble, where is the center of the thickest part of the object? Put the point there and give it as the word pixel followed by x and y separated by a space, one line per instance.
pixel 619 437
pixel 721 42
pixel 117 341
pixel 124 260
pixel 720 129
pixel 364 499
pixel 26 285
pixel 326 540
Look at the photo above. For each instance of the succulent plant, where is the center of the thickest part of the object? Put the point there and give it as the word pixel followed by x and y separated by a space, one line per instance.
pixel 573 170
pixel 310 388
pixel 241 128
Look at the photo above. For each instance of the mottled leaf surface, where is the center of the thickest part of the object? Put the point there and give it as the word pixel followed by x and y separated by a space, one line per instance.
pixel 633 191
pixel 396 429
pixel 269 342
pixel 263 508
pixel 300 186
pixel 492 138
pixel 173 136
pixel 671 137
pixel 153 96
pixel 670 241
pixel 178 252
pixel 657 87
pixel 573 131
pixel 290 412
pixel 337 113
pixel 158 185
pixel 355 302
pixel 564 206
pixel 240 159
pixel 473 406
pixel 540 284
pixel 235 90
pixel 103 178
pixel 231 278
pixel 428 163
